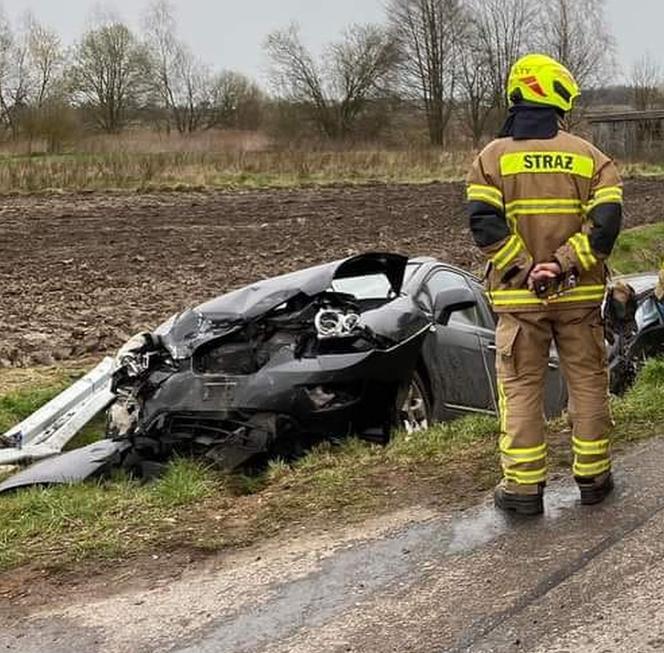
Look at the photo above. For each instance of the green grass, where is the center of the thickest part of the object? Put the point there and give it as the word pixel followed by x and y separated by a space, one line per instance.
pixel 99 520
pixel 640 414
pixel 639 249
pixel 16 406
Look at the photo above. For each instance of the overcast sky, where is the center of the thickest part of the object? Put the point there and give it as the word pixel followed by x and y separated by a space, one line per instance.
pixel 229 33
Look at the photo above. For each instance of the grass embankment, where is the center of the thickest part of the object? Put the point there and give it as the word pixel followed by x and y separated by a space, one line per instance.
pixel 196 507
pixel 226 169
pixel 638 249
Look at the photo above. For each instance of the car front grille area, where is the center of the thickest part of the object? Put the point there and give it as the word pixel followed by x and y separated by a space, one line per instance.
pixel 205 430
pixel 237 358
pixel 242 356
pixel 228 441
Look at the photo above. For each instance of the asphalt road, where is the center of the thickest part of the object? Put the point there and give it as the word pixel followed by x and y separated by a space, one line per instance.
pixel 578 579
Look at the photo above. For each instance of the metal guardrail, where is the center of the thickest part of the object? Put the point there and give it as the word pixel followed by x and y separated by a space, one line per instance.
pixel 49 429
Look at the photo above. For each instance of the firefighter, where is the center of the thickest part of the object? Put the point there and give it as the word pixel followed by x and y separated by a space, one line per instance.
pixel 546 209
pixel 659 289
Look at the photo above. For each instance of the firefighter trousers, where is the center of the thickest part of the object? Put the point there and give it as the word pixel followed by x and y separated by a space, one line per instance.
pixel 523 343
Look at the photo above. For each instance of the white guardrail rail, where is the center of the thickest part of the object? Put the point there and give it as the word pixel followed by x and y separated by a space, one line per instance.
pixel 48 430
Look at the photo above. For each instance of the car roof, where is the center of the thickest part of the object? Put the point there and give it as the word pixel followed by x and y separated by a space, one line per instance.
pixel 422 259
pixel 431 262
pixel 640 281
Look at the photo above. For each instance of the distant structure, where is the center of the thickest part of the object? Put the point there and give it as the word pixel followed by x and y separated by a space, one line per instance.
pixel 629 134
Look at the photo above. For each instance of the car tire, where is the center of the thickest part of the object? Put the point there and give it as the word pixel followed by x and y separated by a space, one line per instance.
pixel 415 412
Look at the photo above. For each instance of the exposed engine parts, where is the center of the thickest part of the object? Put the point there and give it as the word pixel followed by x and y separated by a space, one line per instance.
pixel 331 323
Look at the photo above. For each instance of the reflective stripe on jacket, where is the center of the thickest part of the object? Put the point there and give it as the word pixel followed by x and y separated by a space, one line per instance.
pixel 537 201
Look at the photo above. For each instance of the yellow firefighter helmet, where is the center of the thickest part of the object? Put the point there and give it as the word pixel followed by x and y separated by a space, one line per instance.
pixel 540 79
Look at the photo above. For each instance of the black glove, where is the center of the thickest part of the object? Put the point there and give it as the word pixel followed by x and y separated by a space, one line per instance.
pixel 547 289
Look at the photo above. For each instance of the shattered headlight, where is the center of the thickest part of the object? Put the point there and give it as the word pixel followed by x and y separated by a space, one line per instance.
pixel 132 355
pixel 332 323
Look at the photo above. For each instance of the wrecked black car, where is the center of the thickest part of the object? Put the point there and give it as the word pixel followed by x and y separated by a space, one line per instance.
pixel 361 346
pixel 324 351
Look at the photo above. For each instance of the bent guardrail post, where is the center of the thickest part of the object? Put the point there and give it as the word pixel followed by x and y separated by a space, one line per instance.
pixel 50 428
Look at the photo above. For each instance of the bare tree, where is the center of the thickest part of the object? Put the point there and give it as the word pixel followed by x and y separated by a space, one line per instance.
pixel 236 102
pixel 359 67
pixel 576 33
pixel 46 115
pixel 429 36
pixel 503 32
pixel 183 84
pixel 296 76
pixel 6 59
pixel 14 75
pixel 646 80
pixel 46 60
pixel 353 71
pixel 109 73
pixel 477 99
pixel 192 92
pixel 159 29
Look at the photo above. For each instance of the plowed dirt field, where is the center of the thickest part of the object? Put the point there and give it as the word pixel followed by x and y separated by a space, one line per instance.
pixel 81 273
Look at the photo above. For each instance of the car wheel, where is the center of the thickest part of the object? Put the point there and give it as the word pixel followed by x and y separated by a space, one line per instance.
pixel 415 412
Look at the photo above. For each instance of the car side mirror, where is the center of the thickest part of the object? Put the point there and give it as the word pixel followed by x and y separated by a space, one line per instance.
pixel 450 301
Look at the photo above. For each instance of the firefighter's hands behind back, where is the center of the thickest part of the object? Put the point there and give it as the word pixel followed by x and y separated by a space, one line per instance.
pixel 548 280
pixel 544 279
pixel 515 275
pixel 543 272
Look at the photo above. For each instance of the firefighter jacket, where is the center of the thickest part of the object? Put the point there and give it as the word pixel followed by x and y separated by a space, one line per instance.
pixel 543 200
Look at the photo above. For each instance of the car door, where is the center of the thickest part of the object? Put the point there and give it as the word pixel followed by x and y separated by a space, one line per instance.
pixel 454 353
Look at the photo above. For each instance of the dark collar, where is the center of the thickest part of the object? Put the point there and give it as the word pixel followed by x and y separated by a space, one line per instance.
pixel 528 121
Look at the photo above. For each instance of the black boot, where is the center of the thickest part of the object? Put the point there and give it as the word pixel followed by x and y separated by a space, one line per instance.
pixel 595 490
pixel 519 504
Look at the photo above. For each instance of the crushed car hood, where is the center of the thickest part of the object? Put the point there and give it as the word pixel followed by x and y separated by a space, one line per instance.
pixel 261 297
pixel 229 312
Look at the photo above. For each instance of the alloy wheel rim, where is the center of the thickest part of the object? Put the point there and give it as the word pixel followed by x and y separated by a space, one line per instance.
pixel 414 410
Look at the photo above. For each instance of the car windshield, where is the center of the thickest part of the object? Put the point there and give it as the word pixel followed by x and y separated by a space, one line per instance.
pixel 367 286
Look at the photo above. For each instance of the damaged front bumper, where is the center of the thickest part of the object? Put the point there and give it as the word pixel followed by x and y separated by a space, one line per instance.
pixel 230 418
pixel 319 353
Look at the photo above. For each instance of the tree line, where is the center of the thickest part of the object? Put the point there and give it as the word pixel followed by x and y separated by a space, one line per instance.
pixel 442 63
pixel 449 58
pixel 113 77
